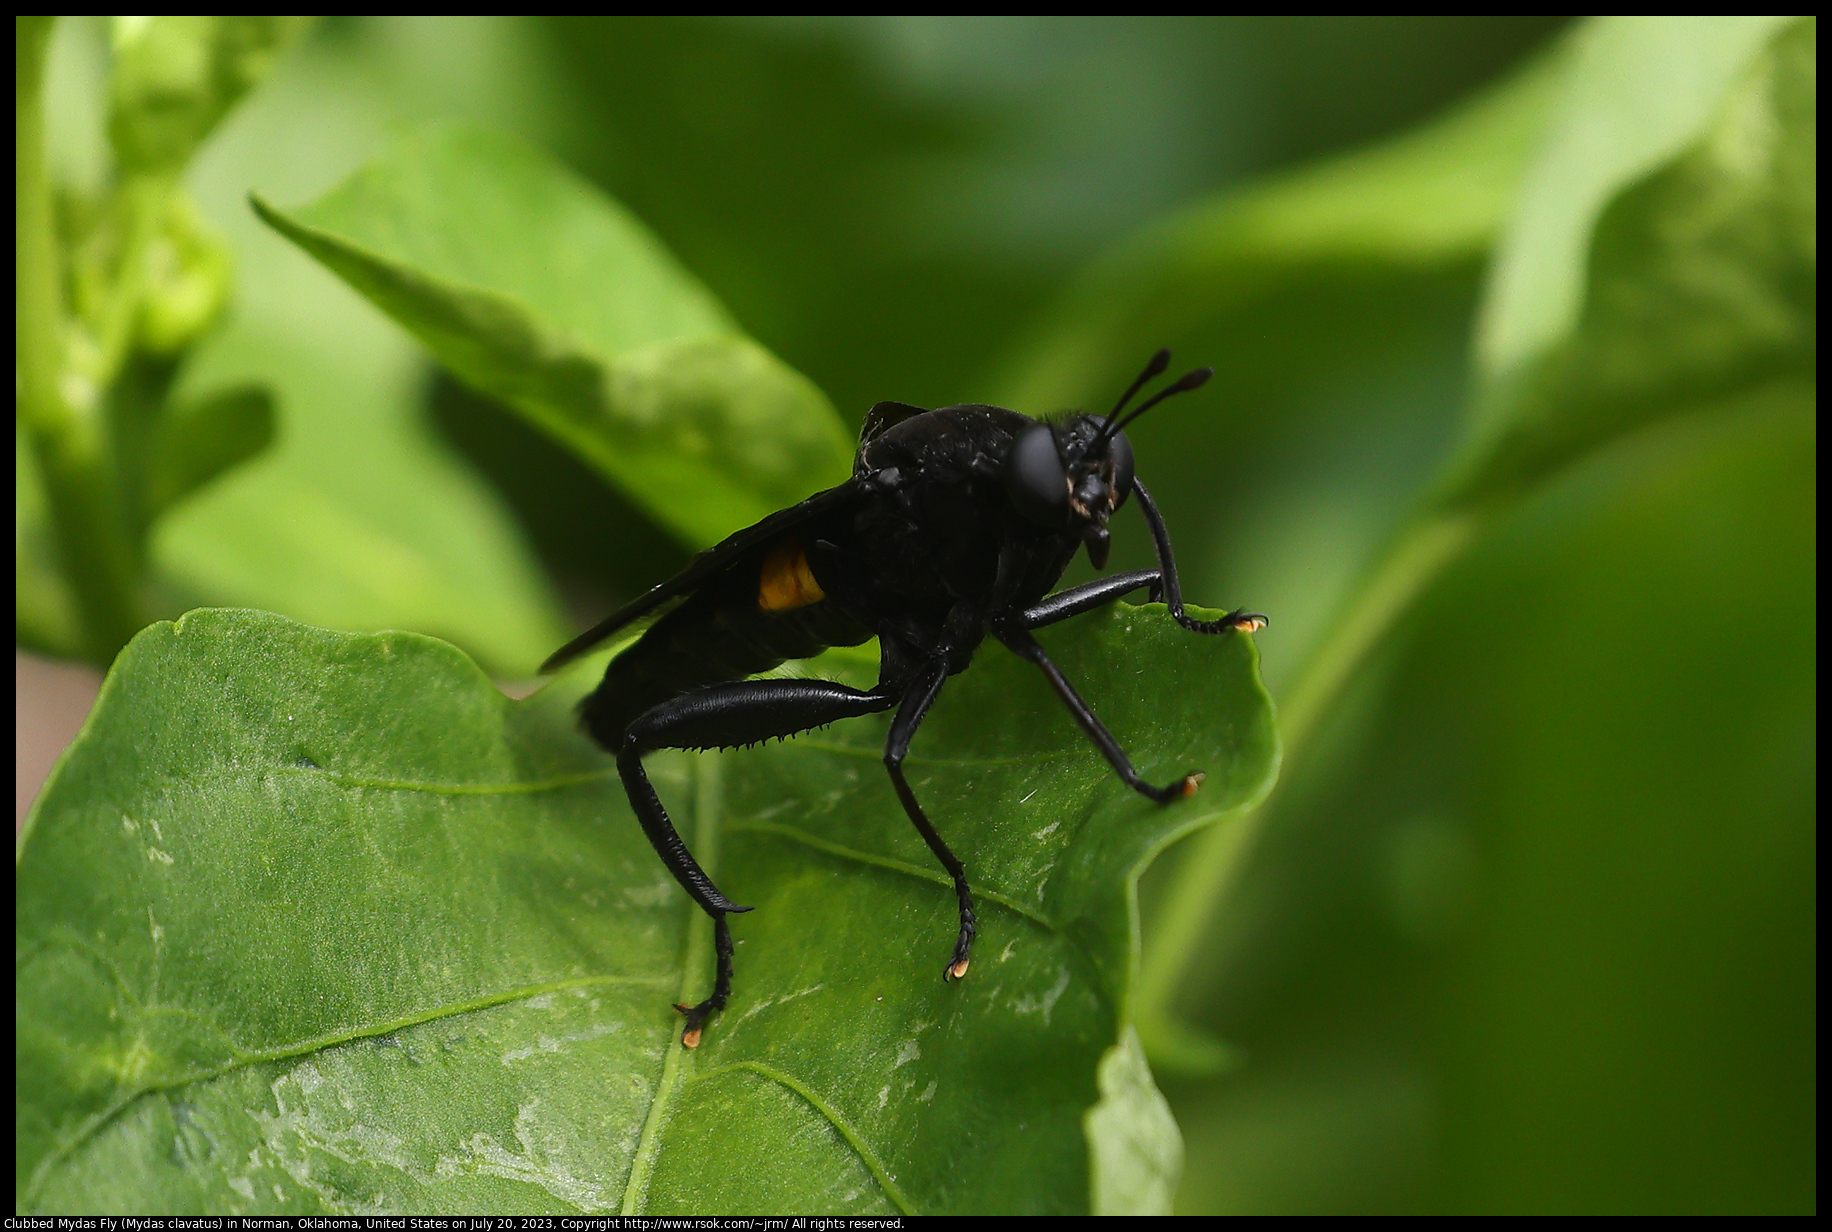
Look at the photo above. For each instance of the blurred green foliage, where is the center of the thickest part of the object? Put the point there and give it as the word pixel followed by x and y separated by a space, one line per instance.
pixel 1513 435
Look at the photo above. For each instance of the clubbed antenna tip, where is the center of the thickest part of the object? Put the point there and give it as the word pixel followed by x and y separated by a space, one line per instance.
pixel 1159 363
pixel 1183 384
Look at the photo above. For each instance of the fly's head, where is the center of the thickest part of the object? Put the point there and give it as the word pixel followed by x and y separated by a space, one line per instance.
pixel 1071 475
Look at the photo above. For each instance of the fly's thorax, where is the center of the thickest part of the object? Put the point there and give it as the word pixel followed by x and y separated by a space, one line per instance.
pixel 938 444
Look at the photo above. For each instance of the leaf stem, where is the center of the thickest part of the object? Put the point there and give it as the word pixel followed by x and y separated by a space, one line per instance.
pixel 69 436
pixel 1208 873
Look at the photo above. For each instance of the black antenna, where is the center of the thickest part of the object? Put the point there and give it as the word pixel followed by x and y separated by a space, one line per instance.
pixel 1159 363
pixel 1183 384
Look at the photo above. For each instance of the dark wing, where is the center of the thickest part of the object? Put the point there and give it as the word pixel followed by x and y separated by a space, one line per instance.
pixel 883 415
pixel 703 568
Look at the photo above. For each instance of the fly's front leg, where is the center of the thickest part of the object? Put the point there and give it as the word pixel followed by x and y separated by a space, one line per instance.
pixel 1239 618
pixel 722 716
pixel 1087 597
pixel 1025 646
pixel 910 714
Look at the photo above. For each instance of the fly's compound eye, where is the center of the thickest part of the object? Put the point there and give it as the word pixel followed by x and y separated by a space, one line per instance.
pixel 1119 451
pixel 1034 476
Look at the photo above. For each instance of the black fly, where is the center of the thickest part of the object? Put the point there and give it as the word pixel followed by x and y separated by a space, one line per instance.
pixel 955 524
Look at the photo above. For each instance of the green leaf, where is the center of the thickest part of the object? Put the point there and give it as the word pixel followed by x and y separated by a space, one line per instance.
pixel 1664 248
pixel 175 77
pixel 1135 1150
pixel 533 286
pixel 195 443
pixel 311 921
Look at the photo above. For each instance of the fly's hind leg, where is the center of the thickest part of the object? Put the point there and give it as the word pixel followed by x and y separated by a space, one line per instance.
pixel 910 714
pixel 722 716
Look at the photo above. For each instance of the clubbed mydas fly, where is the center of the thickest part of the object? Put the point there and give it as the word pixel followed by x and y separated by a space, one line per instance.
pixel 955 524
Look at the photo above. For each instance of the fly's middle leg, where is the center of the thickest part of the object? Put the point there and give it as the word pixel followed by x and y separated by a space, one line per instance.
pixel 910 714
pixel 1022 644
pixel 1085 598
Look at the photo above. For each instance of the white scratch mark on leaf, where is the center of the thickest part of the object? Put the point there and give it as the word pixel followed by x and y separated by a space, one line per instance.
pixel 306 1077
pixel 487 1157
pixel 552 1044
pixel 648 895
pixel 767 1002
pixel 306 1128
pixel 1044 1006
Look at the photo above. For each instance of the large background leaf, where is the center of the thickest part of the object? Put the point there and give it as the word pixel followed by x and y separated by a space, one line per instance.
pixel 1662 248
pixel 535 287
pixel 312 921
pixel 1467 964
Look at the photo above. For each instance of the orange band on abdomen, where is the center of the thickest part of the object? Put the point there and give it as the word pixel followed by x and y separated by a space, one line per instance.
pixel 786 582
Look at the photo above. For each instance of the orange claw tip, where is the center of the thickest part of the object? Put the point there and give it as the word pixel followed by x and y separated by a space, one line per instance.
pixel 1251 624
pixel 958 971
pixel 690 1038
pixel 1191 782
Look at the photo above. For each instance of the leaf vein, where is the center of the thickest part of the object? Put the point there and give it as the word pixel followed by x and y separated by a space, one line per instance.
pixel 853 1138
pixel 876 753
pixel 889 862
pixel 456 789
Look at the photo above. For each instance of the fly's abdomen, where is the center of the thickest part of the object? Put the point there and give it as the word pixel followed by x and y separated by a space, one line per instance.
pixel 749 621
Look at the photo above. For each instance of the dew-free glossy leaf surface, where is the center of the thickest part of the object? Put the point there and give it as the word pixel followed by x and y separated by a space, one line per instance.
pixel 535 287
pixel 321 922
